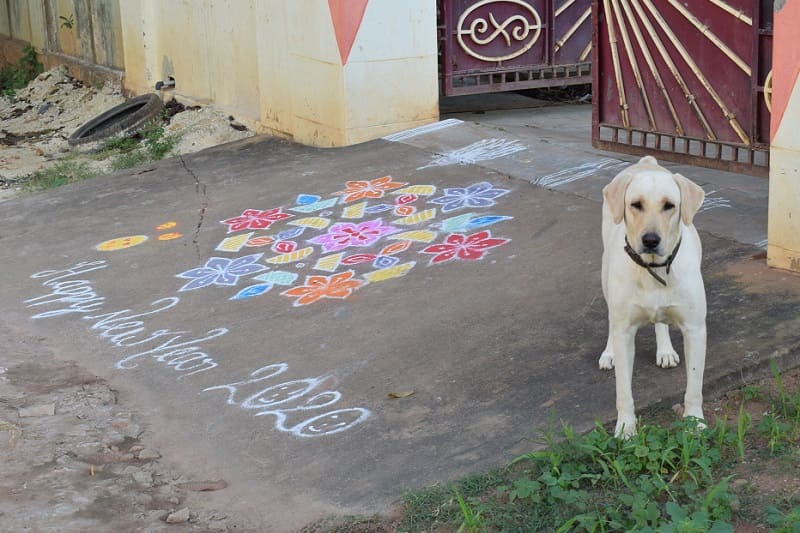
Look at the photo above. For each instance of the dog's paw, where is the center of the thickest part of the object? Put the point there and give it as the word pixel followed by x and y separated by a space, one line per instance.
pixel 606 361
pixel 626 427
pixel 696 414
pixel 667 359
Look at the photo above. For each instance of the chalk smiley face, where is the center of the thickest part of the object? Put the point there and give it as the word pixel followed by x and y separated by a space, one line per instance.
pixel 121 243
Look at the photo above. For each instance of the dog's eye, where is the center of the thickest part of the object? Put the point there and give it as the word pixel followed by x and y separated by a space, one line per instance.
pixel 637 205
pixel 668 206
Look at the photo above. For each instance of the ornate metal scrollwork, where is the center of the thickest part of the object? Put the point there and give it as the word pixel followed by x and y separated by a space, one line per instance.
pixel 525 28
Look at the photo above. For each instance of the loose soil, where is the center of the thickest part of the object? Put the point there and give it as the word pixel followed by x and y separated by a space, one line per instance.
pixel 76 460
pixel 37 122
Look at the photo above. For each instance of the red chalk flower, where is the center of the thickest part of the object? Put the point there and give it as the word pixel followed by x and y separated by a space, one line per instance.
pixel 255 219
pixel 469 248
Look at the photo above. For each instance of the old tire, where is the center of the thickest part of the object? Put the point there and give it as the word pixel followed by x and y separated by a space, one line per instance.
pixel 127 117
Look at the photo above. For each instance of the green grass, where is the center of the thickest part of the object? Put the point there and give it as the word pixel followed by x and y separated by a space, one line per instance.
pixel 151 144
pixel 670 477
pixel 129 159
pixel 65 171
pixel 17 76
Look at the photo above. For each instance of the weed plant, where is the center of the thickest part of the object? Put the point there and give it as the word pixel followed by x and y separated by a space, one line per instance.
pixel 152 144
pixel 65 171
pixel 667 478
pixel 15 77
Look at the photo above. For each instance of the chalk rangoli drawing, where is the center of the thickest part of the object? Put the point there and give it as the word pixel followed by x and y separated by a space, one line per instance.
pixel 714 202
pixel 257 242
pixel 277 277
pixel 338 286
pixel 234 243
pixel 357 259
pixel 284 247
pixel 170 236
pixel 120 243
pixel 468 248
pixel 762 244
pixel 312 222
pixel 333 254
pixel 481 194
pixel 346 234
pixel 316 206
pixel 255 219
pixel 376 188
pixel 305 199
pixel 385 261
pixel 252 290
pixel 221 271
pixel 166 225
pixel 290 233
pixel 329 263
pixel 476 152
pixel 291 257
pixel 428 128
pixel 568 175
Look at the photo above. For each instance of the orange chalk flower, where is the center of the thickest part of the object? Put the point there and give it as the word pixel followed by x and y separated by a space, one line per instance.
pixel 357 190
pixel 338 286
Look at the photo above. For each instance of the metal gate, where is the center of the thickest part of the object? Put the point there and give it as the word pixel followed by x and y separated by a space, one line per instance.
pixel 684 81
pixel 504 45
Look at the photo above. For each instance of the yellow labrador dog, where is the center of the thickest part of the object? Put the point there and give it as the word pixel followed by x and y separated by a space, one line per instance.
pixel 651 274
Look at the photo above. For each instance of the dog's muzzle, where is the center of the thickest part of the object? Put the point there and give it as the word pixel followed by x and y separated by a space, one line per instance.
pixel 649 266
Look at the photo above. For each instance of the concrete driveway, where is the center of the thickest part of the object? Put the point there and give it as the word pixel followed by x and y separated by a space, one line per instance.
pixel 327 328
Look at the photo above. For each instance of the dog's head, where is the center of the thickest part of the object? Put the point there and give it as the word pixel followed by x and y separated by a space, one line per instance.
pixel 653 202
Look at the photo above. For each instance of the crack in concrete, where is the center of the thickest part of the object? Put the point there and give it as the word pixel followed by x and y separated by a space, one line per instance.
pixel 200 189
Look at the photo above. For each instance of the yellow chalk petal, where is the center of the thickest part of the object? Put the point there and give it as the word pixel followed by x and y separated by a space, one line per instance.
pixel 312 222
pixel 416 218
pixel 354 211
pixel 422 190
pixel 329 263
pixel 291 257
pixel 389 273
pixel 422 235
pixel 235 243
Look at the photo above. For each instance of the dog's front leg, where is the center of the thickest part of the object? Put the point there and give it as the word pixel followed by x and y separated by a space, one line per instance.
pixel 694 340
pixel 666 356
pixel 622 341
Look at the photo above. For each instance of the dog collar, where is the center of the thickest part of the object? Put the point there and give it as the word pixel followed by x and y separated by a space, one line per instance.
pixel 650 266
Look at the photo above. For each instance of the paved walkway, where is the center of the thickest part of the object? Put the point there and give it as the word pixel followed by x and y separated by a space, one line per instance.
pixel 326 328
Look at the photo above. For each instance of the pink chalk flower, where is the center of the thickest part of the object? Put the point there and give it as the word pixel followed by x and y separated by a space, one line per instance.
pixel 346 234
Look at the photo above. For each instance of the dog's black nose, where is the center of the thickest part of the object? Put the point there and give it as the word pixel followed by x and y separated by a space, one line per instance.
pixel 651 241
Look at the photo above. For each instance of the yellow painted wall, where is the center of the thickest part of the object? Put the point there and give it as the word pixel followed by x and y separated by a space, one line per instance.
pixel 783 249
pixel 95 35
pixel 274 64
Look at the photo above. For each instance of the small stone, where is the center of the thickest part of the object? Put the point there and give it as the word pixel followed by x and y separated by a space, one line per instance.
pixel 143 478
pixel 48 409
pixel 90 449
pixel 148 454
pixel 178 517
pixel 174 500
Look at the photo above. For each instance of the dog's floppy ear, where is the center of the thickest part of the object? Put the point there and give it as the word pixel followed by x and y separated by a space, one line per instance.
pixel 614 194
pixel 692 196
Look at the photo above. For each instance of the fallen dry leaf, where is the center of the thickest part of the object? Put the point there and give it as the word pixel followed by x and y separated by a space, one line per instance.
pixel 202 486
pixel 404 394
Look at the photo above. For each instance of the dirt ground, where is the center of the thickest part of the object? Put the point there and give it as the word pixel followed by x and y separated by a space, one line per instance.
pixel 76 460
pixel 35 126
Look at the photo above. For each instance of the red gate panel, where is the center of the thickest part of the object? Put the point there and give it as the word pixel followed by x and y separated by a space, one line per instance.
pixel 684 80
pixel 504 45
